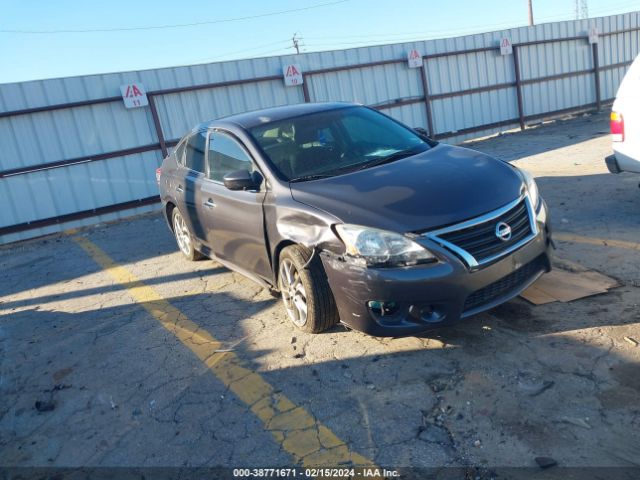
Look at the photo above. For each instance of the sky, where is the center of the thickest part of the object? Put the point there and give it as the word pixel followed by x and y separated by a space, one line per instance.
pixel 47 39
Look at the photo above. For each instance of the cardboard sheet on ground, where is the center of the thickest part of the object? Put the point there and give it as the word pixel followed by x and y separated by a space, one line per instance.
pixel 564 286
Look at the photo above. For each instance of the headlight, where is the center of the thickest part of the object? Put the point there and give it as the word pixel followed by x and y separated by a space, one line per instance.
pixel 532 188
pixel 373 247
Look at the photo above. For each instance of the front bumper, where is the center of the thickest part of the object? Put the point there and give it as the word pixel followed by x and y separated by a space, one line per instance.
pixel 422 297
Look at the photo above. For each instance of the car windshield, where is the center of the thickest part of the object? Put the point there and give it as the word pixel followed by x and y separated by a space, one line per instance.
pixel 335 142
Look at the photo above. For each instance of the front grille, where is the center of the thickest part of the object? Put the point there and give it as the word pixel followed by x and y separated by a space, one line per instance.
pixel 512 282
pixel 480 241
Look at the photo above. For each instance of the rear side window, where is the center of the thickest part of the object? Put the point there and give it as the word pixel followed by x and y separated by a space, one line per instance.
pixel 226 155
pixel 194 152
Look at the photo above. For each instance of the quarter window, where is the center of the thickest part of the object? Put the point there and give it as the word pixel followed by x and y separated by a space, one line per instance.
pixel 179 152
pixel 226 155
pixel 194 154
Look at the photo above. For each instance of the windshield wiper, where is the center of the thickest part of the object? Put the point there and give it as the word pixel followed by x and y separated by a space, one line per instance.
pixel 315 176
pixel 351 168
pixel 388 159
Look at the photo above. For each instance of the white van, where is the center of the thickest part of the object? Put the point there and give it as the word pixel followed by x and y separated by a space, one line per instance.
pixel 625 124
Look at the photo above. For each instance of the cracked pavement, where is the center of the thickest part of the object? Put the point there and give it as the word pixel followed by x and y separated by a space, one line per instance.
pixel 499 389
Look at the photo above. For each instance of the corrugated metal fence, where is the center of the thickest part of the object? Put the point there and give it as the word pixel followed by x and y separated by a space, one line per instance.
pixel 72 155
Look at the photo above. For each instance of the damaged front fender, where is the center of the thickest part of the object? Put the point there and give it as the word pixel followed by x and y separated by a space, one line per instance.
pixel 292 223
pixel 306 230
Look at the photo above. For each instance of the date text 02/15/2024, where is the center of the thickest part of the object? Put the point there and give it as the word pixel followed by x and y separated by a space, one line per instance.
pixel 362 472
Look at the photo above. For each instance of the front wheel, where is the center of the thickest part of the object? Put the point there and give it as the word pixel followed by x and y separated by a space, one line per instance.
pixel 184 239
pixel 305 291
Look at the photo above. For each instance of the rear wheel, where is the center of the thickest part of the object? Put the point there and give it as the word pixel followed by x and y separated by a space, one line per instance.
pixel 184 239
pixel 305 291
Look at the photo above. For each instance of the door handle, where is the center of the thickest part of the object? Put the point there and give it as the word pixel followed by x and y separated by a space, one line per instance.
pixel 179 189
pixel 209 203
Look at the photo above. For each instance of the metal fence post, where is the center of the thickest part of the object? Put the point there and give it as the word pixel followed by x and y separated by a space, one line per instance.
pixel 516 69
pixel 156 122
pixel 427 98
pixel 596 72
pixel 305 89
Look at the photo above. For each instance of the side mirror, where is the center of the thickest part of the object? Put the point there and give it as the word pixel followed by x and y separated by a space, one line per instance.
pixel 421 131
pixel 242 180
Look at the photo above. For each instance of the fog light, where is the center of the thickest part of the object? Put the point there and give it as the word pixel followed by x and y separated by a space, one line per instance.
pixel 382 308
pixel 427 313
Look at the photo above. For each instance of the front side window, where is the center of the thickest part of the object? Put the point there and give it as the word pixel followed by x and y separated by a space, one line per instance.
pixel 194 152
pixel 226 155
pixel 335 142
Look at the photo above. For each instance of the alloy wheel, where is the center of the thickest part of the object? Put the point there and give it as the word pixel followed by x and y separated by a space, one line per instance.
pixel 293 292
pixel 183 237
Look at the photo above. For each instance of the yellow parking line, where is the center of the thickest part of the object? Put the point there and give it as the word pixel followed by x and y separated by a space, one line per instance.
pixel 308 441
pixel 569 237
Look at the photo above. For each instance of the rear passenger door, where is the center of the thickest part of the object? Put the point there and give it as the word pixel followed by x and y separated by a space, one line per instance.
pixel 192 172
pixel 234 220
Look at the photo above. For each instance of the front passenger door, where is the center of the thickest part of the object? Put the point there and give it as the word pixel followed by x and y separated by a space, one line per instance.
pixel 234 219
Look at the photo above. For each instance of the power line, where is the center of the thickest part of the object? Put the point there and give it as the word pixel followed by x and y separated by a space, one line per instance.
pixel 244 50
pixel 371 39
pixel 178 25
pixel 429 33
pixel 414 35
pixel 389 36
pixel 618 6
pixel 368 41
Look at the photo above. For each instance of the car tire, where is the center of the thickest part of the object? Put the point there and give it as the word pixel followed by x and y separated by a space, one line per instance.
pixel 304 288
pixel 183 236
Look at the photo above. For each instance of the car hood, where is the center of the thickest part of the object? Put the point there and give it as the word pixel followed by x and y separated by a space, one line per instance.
pixel 438 187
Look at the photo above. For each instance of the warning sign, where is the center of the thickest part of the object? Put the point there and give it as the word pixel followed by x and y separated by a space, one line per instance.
pixel 134 95
pixel 292 75
pixel 593 35
pixel 414 58
pixel 505 46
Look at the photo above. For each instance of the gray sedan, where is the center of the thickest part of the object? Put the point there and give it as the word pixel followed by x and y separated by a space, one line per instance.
pixel 354 217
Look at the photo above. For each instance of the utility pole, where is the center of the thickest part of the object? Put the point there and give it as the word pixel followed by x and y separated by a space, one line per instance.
pixel 295 41
pixel 531 13
pixel 581 9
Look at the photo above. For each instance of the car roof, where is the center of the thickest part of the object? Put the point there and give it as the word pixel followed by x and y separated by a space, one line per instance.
pixel 257 117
